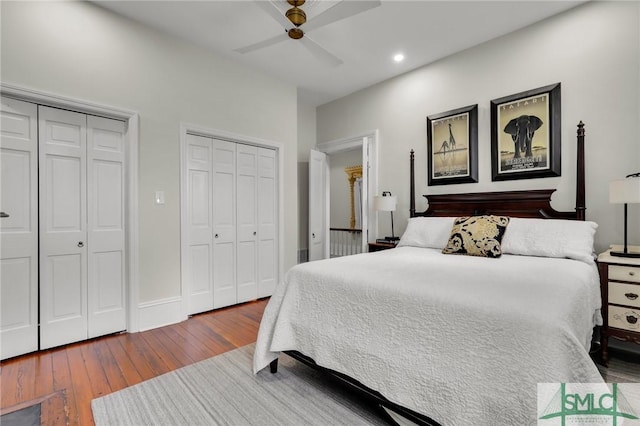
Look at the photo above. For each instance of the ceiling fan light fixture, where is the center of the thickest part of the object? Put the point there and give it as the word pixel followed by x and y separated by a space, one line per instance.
pixel 295 33
pixel 296 16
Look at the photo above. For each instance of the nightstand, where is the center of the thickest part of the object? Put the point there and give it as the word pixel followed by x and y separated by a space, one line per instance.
pixel 620 289
pixel 381 246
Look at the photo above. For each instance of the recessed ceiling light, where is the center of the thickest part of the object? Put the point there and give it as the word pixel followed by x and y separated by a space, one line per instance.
pixel 399 57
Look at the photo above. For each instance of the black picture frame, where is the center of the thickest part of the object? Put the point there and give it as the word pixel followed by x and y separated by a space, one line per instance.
pixel 526 134
pixel 457 128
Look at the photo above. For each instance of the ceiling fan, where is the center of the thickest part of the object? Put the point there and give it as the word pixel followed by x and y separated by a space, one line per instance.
pixel 294 21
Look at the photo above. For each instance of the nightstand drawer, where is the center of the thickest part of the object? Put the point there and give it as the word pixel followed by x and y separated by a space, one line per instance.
pixel 624 294
pixel 624 318
pixel 624 273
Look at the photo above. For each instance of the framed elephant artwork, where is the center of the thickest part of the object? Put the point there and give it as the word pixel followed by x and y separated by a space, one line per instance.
pixel 525 134
pixel 452 145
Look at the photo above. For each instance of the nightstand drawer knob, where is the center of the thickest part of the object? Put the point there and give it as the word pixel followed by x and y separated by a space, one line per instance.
pixel 631 296
pixel 631 273
pixel 631 319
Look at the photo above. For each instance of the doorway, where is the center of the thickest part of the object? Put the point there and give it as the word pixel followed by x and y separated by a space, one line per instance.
pixel 320 211
pixel 345 203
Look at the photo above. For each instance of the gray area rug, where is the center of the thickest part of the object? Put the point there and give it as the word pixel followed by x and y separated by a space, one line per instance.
pixel 224 391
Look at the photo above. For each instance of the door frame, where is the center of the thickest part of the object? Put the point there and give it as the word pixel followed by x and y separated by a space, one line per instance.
pixel 354 142
pixel 197 130
pixel 132 120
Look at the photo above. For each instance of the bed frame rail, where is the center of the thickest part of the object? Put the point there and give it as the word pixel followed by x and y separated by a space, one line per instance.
pixel 369 394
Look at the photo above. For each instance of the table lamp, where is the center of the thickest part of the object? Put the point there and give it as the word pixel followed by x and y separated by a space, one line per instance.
pixel 625 191
pixel 387 203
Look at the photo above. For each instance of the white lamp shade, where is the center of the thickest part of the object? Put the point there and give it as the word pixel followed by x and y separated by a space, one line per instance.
pixel 624 191
pixel 385 204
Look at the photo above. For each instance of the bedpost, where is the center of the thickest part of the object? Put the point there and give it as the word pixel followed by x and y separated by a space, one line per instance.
pixel 412 187
pixel 580 192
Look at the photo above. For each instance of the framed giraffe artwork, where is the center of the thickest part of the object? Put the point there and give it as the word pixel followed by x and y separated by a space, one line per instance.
pixel 525 134
pixel 452 145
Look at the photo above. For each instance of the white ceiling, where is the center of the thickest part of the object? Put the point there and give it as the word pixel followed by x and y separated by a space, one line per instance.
pixel 424 31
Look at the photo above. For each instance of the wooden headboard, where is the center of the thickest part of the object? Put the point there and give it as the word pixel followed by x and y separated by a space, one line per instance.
pixel 531 204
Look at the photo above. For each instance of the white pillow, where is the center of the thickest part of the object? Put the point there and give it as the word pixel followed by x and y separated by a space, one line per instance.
pixel 428 232
pixel 571 239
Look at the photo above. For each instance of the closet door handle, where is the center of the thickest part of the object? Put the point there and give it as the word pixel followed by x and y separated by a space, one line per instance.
pixel 313 235
pixel 216 236
pixel 80 244
pixel 3 214
pixel 255 233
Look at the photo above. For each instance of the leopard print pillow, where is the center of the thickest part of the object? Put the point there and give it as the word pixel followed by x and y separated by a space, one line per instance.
pixel 477 236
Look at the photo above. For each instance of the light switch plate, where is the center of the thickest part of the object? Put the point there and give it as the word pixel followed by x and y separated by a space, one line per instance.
pixel 159 197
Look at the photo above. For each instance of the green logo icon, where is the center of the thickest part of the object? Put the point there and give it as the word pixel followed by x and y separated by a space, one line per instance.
pixel 611 404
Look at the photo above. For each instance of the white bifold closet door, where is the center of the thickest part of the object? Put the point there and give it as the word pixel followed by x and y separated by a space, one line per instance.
pixel 224 224
pixel 267 222
pixel 247 216
pixel 63 242
pixel 18 228
pixel 82 242
pixel 82 247
pixel 230 248
pixel 63 226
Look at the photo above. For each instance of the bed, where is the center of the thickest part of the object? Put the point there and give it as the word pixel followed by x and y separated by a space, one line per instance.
pixel 447 339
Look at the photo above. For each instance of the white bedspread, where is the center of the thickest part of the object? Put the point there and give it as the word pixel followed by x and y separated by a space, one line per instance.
pixel 462 339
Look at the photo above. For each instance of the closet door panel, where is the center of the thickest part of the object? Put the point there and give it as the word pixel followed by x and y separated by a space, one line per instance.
pixel 18 228
pixel 63 233
pixel 268 222
pixel 230 196
pixel 247 186
pixel 199 225
pixel 106 226
pixel 224 223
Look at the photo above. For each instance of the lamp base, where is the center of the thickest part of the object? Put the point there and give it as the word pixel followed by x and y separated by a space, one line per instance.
pixel 623 254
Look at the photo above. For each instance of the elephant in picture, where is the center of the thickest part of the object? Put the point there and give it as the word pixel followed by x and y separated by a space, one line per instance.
pixel 521 130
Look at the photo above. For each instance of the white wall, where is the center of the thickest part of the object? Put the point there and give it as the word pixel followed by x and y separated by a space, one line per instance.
pixel 78 50
pixel 593 50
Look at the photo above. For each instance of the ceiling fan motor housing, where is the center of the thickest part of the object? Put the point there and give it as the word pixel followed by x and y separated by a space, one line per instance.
pixel 296 16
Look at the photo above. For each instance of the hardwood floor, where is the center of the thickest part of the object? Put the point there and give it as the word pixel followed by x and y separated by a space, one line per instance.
pixel 86 370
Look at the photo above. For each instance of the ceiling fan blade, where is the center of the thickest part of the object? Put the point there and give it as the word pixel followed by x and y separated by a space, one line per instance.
pixel 272 10
pixel 339 11
pixel 320 52
pixel 264 43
